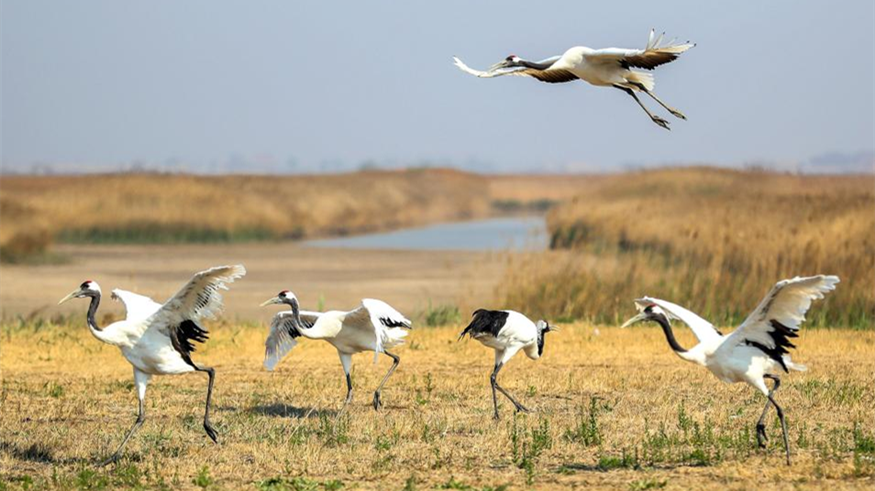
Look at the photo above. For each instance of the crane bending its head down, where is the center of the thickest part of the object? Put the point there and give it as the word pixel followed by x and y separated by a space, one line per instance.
pixel 507 332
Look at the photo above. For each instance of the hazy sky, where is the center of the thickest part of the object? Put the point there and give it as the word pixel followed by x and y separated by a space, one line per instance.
pixel 100 83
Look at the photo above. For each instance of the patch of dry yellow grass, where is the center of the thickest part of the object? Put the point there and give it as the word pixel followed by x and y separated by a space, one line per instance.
pixel 67 400
pixel 715 240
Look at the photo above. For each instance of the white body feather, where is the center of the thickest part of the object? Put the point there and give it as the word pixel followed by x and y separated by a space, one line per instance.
pixel 350 332
pixel 144 336
pixel 518 333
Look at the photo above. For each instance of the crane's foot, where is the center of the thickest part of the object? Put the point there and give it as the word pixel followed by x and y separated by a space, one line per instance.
pixel 343 408
pixel 660 122
pixel 677 114
pixel 496 417
pixel 112 460
pixel 211 432
pixel 377 402
pixel 521 409
pixel 761 435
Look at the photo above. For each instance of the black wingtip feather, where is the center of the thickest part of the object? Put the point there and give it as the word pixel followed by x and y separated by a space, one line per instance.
pixel 182 337
pixel 781 335
pixel 485 322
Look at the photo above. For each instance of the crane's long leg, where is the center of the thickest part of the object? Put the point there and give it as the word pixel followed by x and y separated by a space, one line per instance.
pixel 346 361
pixel 668 108
pixel 211 373
pixel 517 405
pixel 783 426
pixel 761 425
pixel 141 380
pixel 395 361
pixel 654 118
pixel 493 384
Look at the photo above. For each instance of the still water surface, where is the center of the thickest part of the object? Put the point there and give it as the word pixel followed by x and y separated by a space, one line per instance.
pixel 514 233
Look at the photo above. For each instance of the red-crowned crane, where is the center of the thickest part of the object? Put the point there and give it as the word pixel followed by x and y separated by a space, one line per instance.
pixel 507 332
pixel 609 67
pixel 374 326
pixel 754 352
pixel 157 339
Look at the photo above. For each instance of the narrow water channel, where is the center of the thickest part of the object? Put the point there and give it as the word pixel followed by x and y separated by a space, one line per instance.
pixel 499 234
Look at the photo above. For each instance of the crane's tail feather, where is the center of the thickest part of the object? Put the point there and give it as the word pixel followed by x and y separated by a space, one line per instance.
pixel 641 78
pixel 794 366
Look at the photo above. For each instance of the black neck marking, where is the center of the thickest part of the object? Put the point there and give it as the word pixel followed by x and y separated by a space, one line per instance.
pixel 296 314
pixel 536 66
pixel 541 335
pixel 669 334
pixel 92 310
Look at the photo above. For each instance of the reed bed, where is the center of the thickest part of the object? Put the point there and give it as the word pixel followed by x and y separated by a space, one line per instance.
pixel 154 208
pixel 713 240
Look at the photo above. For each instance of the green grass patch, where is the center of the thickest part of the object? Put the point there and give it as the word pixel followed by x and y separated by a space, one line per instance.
pixel 155 233
pixel 441 315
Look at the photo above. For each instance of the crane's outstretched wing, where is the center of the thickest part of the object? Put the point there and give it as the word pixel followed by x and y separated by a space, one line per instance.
pixel 704 331
pixel 200 298
pixel 653 55
pixel 376 317
pixel 137 307
pixel 283 331
pixel 549 75
pixel 779 316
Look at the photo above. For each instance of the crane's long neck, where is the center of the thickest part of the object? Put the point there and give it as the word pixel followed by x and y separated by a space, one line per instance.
pixel 296 314
pixel 326 327
pixel 669 334
pixel 92 310
pixel 296 310
pixel 536 66
pixel 96 331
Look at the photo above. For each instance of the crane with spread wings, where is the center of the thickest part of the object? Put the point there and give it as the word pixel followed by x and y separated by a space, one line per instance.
pixel 158 339
pixel 608 67
pixel 757 350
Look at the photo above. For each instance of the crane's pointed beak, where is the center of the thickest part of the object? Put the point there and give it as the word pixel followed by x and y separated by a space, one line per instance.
pixel 638 318
pixel 498 66
pixel 70 296
pixel 272 301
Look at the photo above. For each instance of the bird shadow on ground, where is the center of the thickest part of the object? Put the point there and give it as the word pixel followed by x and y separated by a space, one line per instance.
pixel 35 452
pixel 280 410
pixel 583 467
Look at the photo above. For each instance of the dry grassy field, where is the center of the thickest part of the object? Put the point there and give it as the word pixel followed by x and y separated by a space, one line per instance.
pixel 713 240
pixel 612 409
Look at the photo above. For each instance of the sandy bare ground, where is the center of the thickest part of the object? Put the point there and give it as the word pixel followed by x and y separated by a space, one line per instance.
pixel 408 280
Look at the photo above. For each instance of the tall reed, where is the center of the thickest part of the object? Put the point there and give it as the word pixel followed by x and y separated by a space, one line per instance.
pixel 714 240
